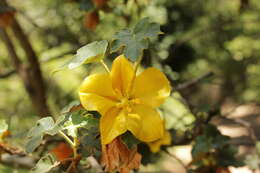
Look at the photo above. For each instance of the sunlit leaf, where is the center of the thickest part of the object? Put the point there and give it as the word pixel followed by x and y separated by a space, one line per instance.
pixel 45 164
pixel 134 41
pixel 33 143
pixel 92 52
pixel 59 125
pixel 71 106
pixel 42 125
pixel 79 119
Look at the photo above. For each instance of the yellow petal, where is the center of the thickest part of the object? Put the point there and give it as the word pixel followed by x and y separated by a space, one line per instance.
pixel 165 140
pixel 99 84
pixel 112 124
pixel 93 102
pixel 145 123
pixel 96 93
pixel 151 87
pixel 122 75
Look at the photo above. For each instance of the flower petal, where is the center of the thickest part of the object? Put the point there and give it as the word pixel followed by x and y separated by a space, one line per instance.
pixel 145 123
pixel 165 140
pixel 122 75
pixel 96 93
pixel 151 87
pixel 112 124
pixel 99 84
pixel 94 102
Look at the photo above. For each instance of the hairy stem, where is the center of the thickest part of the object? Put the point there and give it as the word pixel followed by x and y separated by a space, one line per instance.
pixel 136 65
pixel 67 139
pixel 104 65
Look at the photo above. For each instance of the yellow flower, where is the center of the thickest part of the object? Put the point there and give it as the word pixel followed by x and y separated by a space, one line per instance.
pixel 165 140
pixel 126 101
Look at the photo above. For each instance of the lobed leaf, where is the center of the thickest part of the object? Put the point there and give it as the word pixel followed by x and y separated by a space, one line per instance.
pixel 35 135
pixel 92 52
pixel 79 119
pixel 134 41
pixel 42 125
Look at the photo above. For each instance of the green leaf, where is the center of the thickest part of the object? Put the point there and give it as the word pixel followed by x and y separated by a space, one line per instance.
pixel 134 41
pixel 59 125
pixel 3 126
pixel 213 144
pixel 202 145
pixel 72 104
pixel 130 140
pixel 35 135
pixel 42 125
pixel 33 143
pixel 228 152
pixel 45 164
pixel 144 28
pixel 79 119
pixel 148 157
pixel 92 52
pixel 91 145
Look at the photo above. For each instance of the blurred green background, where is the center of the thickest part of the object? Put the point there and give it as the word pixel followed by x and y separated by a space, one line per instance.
pixel 219 36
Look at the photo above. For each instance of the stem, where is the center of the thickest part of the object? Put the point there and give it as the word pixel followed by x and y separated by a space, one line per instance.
pixel 67 139
pixel 104 65
pixel 136 65
pixel 76 144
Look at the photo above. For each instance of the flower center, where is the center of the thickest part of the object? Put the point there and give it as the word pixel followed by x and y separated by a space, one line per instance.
pixel 127 103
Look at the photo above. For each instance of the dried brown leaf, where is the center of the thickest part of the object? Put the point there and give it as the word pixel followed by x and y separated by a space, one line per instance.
pixel 117 157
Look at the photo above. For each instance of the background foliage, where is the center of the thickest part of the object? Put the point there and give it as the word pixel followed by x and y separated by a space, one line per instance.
pixel 218 39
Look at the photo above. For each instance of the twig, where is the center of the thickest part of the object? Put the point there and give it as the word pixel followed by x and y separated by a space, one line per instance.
pixel 244 124
pixel 29 19
pixel 16 161
pixel 73 164
pixel 7 74
pixel 193 82
pixel 11 150
pixel 14 157
pixel 177 159
pixel 49 59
